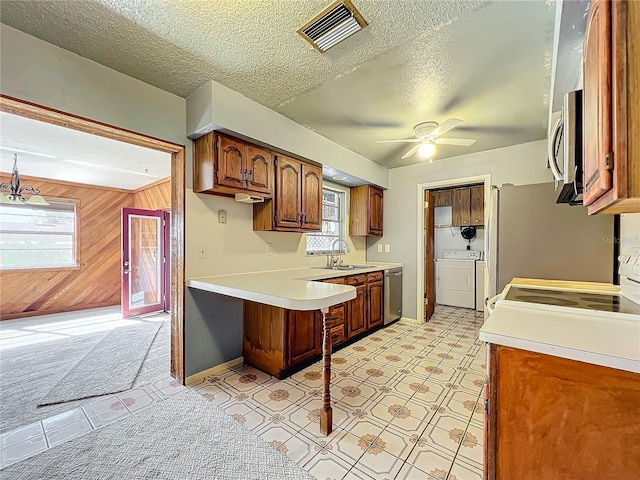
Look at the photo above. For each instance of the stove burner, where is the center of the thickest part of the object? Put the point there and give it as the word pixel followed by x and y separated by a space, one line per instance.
pixel 560 302
pixel 608 299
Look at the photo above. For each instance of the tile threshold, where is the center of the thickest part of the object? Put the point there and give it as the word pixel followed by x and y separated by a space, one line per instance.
pixel 29 440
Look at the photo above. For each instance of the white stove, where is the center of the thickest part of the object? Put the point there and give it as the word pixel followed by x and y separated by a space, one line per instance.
pixel 593 323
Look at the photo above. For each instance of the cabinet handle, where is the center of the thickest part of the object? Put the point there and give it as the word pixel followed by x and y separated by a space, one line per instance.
pixel 242 176
pixel 250 174
pixel 304 218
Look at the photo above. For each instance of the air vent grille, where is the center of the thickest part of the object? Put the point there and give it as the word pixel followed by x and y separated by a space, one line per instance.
pixel 335 23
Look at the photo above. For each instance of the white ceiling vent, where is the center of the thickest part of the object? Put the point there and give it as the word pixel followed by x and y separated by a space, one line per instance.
pixel 338 21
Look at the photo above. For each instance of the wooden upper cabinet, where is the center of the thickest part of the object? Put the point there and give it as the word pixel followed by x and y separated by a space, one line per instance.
pixel 232 156
pixel 366 211
pixel 461 207
pixel 611 108
pixel 476 216
pixel 224 165
pixel 259 170
pixel 288 196
pixel 597 102
pixel 311 203
pixel 442 198
pixel 297 206
pixel 467 206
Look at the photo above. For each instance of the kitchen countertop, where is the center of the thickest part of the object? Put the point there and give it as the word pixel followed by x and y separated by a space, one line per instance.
pixel 294 289
pixel 591 336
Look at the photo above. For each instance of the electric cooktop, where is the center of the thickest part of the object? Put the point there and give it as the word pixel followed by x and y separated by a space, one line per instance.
pixel 606 302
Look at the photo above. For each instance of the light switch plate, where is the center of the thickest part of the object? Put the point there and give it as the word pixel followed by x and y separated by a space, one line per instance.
pixel 202 251
pixel 269 249
pixel 387 248
pixel 380 248
pixel 222 216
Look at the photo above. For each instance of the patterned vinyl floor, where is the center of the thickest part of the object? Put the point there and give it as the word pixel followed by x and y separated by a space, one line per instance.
pixel 406 404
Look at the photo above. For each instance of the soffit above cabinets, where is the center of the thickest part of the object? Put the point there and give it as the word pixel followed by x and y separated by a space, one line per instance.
pixel 487 63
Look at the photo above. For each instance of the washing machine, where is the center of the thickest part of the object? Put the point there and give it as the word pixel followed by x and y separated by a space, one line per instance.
pixel 456 278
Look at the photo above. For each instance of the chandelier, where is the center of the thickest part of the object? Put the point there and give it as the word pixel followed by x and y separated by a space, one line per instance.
pixel 12 192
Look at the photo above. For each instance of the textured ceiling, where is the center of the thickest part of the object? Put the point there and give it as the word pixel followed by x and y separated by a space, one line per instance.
pixel 487 63
pixel 50 151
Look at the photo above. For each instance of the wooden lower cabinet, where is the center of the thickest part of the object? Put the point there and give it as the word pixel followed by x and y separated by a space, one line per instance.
pixel 554 418
pixel 303 336
pixel 357 308
pixel 276 340
pixel 280 341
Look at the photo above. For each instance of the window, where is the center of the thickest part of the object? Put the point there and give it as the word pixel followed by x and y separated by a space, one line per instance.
pixel 38 236
pixel 333 224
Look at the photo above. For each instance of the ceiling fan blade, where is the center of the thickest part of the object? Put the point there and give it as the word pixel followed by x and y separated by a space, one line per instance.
pixel 445 127
pixel 463 142
pixel 411 152
pixel 398 140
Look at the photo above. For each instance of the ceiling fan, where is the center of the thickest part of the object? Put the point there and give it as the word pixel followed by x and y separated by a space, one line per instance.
pixel 428 135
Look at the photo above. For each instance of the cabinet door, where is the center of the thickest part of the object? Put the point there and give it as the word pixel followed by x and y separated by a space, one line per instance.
pixel 442 198
pixel 477 205
pixel 461 198
pixel 375 211
pixel 596 160
pixel 303 335
pixel 311 197
pixel 259 170
pixel 288 201
pixel 231 162
pixel 374 292
pixel 357 312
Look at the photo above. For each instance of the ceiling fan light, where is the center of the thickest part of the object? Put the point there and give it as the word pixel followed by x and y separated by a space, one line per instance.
pixel 427 150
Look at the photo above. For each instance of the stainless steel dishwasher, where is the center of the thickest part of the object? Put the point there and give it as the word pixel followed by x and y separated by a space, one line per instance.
pixel 392 295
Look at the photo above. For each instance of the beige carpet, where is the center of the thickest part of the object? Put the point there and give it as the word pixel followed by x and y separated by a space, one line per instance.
pixel 185 437
pixel 111 366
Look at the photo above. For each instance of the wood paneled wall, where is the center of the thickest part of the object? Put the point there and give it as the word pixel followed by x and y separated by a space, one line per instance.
pixel 96 282
pixel 156 196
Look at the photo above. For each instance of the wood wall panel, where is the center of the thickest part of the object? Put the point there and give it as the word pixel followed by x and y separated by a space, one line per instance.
pixel 96 282
pixel 154 197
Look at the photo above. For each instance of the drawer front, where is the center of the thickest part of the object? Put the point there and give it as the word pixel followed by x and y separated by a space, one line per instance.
pixel 374 277
pixel 339 280
pixel 337 335
pixel 357 279
pixel 336 312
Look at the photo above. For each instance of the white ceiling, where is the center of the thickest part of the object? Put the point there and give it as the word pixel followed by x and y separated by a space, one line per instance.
pixel 59 153
pixel 487 63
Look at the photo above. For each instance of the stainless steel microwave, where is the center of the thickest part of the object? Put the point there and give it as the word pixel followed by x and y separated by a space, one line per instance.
pixel 565 150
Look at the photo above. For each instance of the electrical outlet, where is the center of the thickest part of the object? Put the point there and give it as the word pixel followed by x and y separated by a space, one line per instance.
pixel 387 248
pixel 379 248
pixel 222 216
pixel 202 251
pixel 269 249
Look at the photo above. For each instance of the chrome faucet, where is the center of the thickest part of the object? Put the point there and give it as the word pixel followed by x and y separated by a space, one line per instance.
pixel 337 262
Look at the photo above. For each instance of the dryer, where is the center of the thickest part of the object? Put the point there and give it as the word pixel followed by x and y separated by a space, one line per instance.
pixel 456 278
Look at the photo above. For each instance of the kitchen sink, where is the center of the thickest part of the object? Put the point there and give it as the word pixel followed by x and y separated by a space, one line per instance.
pixel 345 267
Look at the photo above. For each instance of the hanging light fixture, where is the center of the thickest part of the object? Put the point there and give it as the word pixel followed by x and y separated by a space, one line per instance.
pixel 14 191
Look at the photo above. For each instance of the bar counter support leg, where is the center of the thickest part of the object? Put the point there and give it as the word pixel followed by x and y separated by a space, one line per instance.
pixel 326 414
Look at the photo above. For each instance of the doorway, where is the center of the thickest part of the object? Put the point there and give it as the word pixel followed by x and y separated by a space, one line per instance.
pixel 56 117
pixel 426 253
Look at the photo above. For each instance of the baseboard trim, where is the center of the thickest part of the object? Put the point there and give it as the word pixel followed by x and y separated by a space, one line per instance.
pixel 407 319
pixel 198 378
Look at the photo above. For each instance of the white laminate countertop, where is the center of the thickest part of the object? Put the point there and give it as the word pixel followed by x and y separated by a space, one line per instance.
pixel 594 337
pixel 294 289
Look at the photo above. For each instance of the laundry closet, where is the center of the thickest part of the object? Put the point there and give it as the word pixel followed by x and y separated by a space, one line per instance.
pixel 459 246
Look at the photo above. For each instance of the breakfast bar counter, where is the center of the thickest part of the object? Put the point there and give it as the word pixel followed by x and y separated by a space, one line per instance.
pixel 294 289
